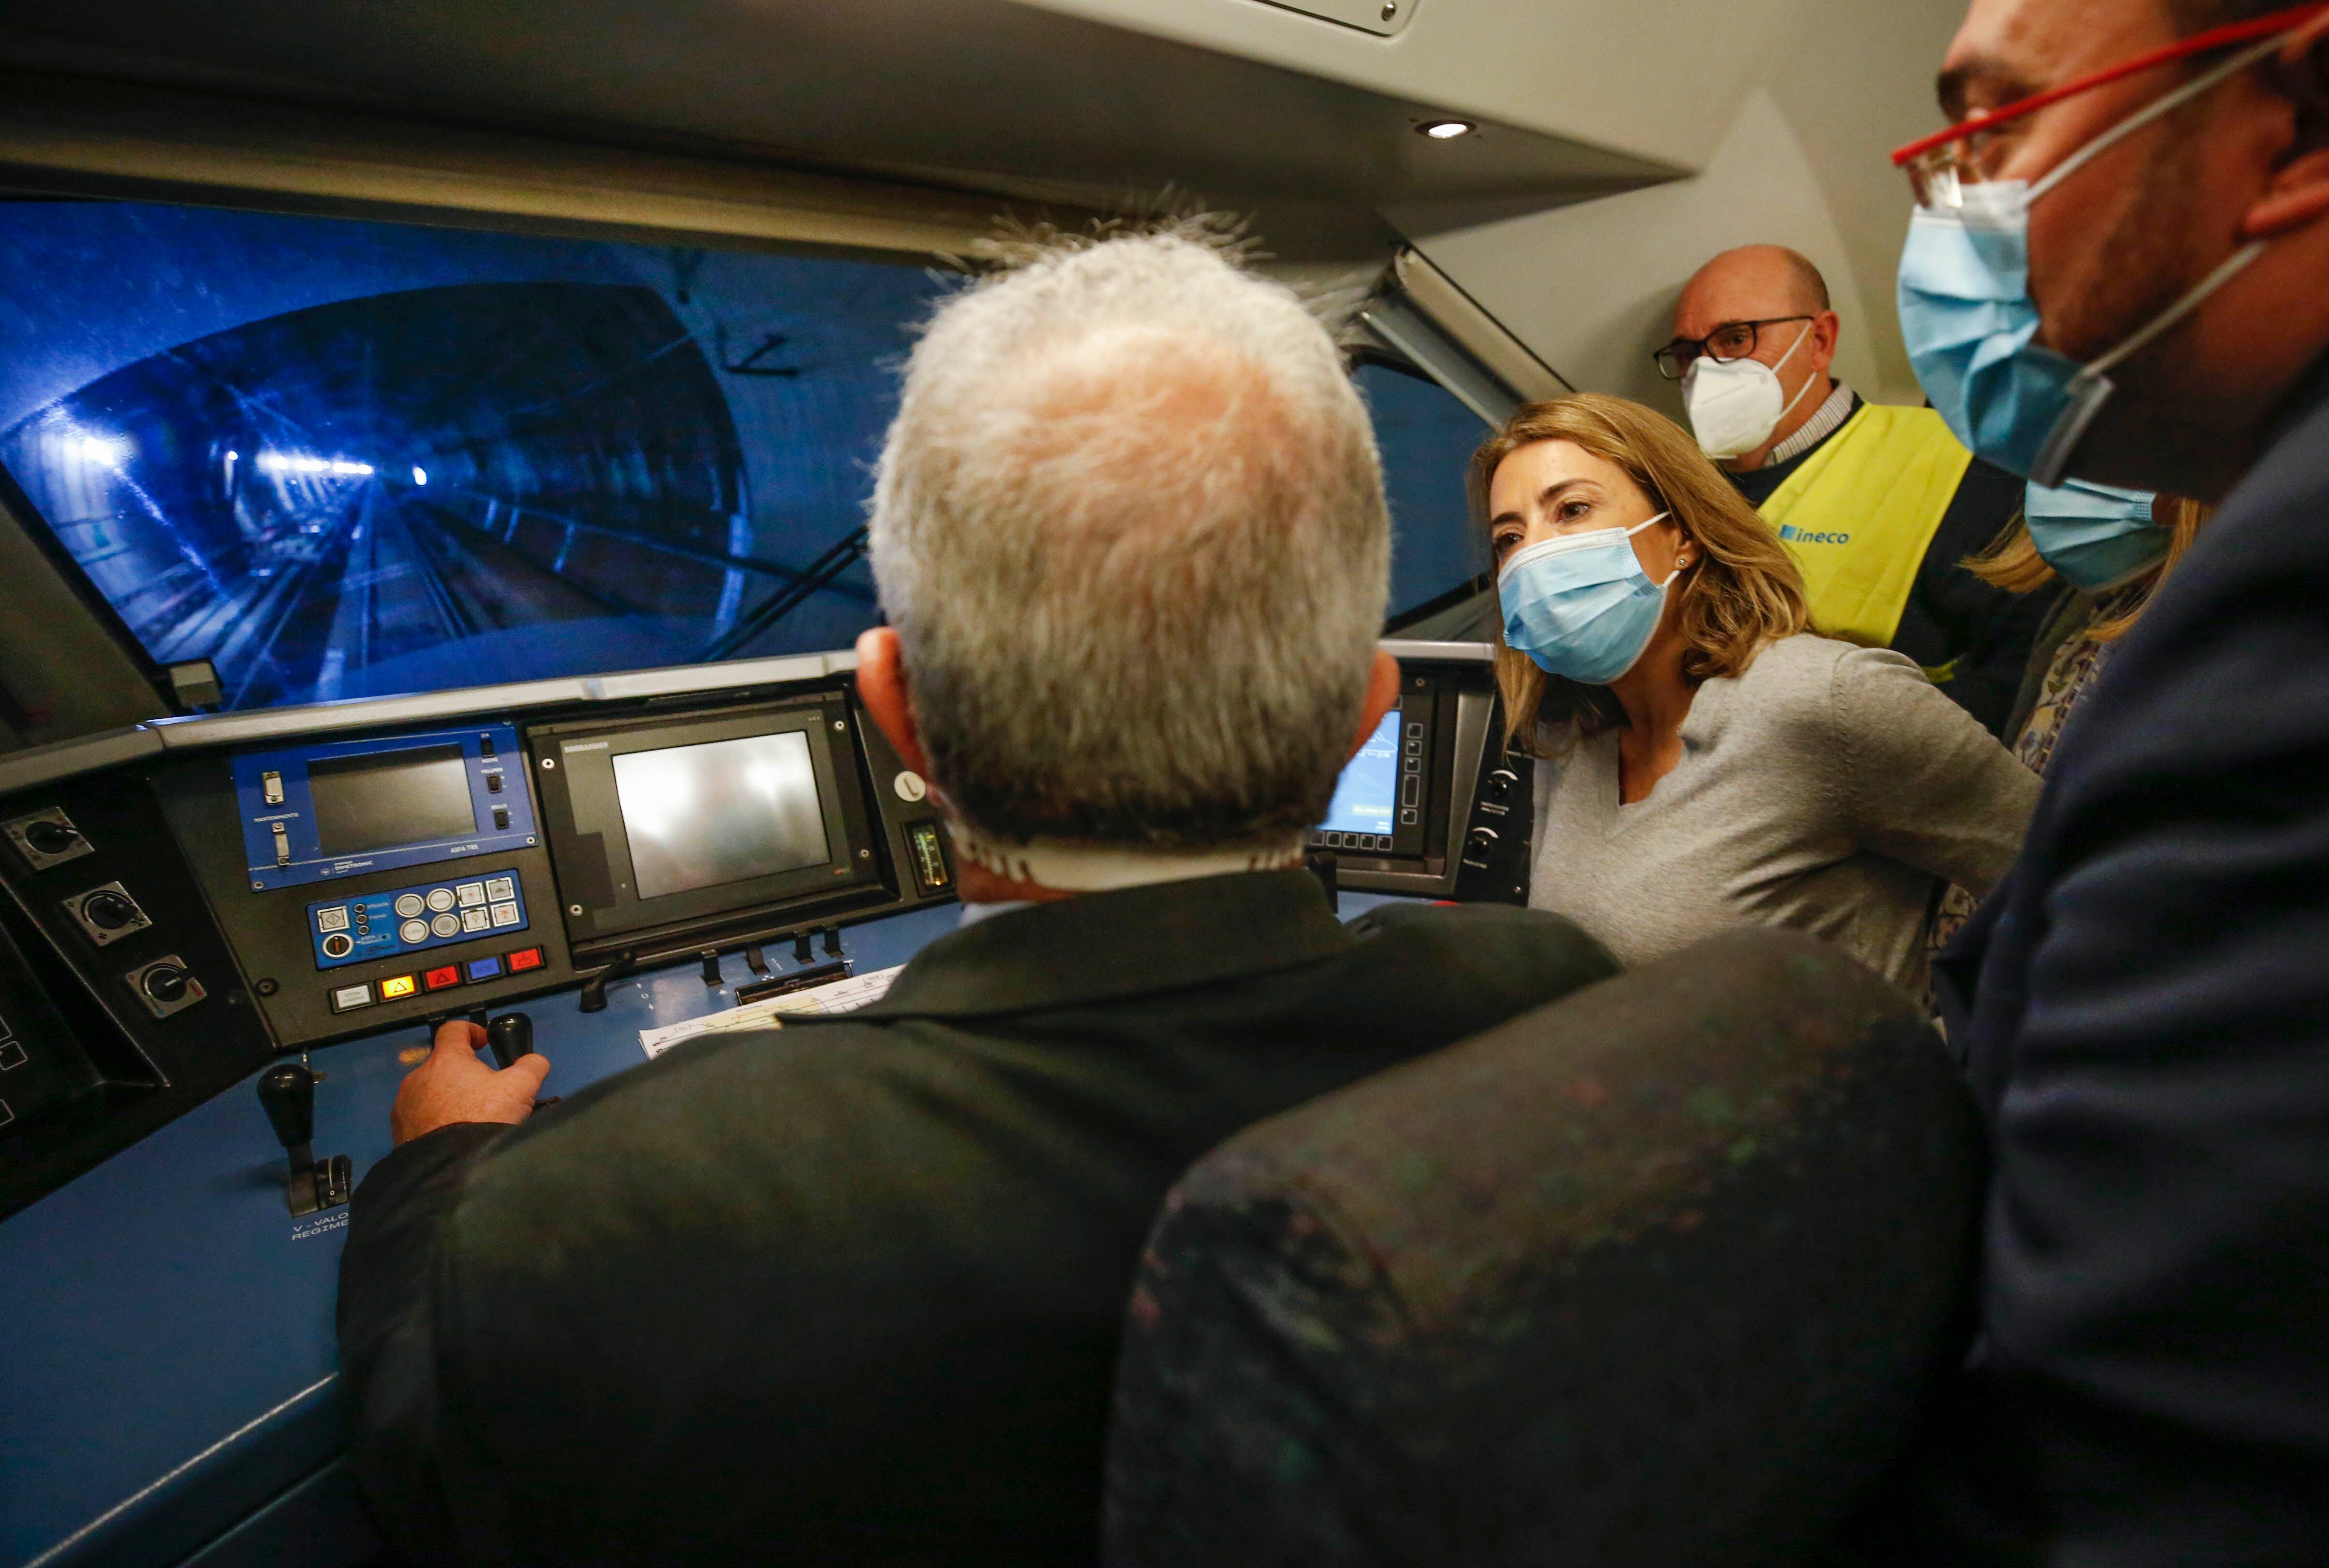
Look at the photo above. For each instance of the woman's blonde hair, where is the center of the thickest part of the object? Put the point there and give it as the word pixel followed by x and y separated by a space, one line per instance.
pixel 1740 590
pixel 2013 563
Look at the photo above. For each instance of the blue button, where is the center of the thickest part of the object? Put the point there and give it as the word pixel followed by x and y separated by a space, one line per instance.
pixel 484 968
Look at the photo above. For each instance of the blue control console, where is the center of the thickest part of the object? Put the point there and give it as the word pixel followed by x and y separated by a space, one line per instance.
pixel 331 809
pixel 413 919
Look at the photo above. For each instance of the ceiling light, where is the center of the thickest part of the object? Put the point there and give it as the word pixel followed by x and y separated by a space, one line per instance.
pixel 1445 130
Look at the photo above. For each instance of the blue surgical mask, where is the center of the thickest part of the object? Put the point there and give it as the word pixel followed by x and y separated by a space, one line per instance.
pixel 2095 536
pixel 1580 605
pixel 1967 318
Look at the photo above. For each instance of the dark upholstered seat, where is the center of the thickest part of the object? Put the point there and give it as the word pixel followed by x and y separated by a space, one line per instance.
pixel 1655 1274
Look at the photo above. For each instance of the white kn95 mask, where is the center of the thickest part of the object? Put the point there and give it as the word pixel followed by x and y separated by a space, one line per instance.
pixel 1735 405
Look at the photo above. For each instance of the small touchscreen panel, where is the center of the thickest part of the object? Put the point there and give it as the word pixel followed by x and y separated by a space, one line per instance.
pixel 724 812
pixel 1366 799
pixel 385 798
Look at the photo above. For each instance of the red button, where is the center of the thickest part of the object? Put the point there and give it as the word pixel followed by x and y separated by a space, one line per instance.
pixel 525 958
pixel 439 979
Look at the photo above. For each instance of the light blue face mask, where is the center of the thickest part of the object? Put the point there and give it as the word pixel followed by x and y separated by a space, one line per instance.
pixel 2096 536
pixel 1580 605
pixel 1967 318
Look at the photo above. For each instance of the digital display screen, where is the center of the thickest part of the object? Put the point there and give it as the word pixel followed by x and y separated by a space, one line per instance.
pixel 386 798
pixel 724 812
pixel 1368 790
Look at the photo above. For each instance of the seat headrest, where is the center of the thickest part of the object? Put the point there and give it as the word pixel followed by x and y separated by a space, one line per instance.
pixel 1656 1273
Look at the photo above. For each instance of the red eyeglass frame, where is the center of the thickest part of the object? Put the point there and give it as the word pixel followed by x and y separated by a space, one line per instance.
pixel 2198 43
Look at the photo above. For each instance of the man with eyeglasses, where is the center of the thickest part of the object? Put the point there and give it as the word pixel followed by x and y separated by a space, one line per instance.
pixel 2119 271
pixel 1880 506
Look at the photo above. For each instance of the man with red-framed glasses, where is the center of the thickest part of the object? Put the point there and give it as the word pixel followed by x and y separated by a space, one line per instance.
pixel 2118 272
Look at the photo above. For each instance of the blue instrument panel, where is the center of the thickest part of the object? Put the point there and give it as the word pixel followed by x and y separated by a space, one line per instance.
pixel 167 1369
pixel 332 809
pixel 416 918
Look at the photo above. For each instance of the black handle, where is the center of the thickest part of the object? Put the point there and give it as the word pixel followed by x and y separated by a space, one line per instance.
pixel 287 1092
pixel 509 1037
pixel 594 990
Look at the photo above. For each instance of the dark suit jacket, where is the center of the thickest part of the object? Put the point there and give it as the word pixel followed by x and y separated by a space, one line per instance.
pixel 2150 1037
pixel 851 1291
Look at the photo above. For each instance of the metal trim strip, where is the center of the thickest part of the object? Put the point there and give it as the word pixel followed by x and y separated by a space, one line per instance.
pixel 1439 300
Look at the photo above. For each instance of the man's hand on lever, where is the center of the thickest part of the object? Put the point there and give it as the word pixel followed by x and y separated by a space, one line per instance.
pixel 453 1086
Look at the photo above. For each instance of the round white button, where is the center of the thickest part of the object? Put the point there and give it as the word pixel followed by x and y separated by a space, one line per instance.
pixel 407 905
pixel 440 900
pixel 910 786
pixel 446 926
pixel 413 931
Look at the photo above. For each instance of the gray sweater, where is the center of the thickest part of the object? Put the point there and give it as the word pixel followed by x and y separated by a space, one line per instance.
pixel 1830 788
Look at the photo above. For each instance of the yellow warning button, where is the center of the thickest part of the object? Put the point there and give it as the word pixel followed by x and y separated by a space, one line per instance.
pixel 399 985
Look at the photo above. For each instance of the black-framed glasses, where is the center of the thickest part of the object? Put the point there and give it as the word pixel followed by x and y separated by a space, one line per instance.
pixel 1733 340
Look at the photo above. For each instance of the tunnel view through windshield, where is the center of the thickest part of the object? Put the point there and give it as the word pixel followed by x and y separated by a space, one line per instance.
pixel 345 459
pixel 350 459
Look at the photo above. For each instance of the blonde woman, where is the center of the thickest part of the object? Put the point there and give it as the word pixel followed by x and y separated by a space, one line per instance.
pixel 2112 549
pixel 1709 763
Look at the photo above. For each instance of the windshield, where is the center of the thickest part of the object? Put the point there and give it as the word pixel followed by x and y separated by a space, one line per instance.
pixel 348 459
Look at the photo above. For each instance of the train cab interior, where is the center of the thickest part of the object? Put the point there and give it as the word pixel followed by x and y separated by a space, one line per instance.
pixel 435 442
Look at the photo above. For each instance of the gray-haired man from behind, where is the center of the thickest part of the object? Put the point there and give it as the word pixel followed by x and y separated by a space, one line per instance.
pixel 850 1292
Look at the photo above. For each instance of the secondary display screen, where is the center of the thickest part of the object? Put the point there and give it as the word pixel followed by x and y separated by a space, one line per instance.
pixel 385 798
pixel 1368 791
pixel 724 812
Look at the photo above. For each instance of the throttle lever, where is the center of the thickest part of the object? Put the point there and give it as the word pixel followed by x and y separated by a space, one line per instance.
pixel 509 1037
pixel 286 1092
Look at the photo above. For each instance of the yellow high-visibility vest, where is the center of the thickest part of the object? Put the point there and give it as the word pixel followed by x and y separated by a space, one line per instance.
pixel 1860 513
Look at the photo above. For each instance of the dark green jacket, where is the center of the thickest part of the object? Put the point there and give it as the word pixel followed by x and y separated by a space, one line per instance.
pixel 851 1291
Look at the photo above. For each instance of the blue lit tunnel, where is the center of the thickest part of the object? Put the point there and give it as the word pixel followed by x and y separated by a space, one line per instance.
pixel 347 459
pixel 514 478
pixel 444 459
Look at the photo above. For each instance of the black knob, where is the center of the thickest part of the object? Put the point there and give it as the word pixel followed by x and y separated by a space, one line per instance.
pixel 108 911
pixel 509 1037
pixel 1480 840
pixel 1499 785
pixel 51 837
pixel 287 1091
pixel 165 983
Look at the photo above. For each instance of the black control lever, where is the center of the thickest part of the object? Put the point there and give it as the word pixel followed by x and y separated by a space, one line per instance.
pixel 594 990
pixel 509 1037
pixel 286 1092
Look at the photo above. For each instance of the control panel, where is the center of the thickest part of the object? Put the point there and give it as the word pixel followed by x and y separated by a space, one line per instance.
pixel 331 809
pixel 517 963
pixel 120 1006
pixel 1382 800
pixel 411 919
pixel 194 899
pixel 1410 803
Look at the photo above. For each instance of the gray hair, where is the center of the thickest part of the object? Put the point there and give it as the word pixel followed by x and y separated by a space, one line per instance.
pixel 1129 525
